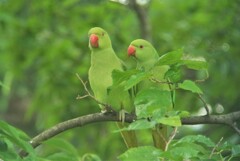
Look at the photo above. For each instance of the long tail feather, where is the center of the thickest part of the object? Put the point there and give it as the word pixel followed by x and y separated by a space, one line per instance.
pixel 129 137
pixel 159 135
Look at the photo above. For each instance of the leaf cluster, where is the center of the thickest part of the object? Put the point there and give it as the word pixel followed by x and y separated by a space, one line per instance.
pixel 191 147
pixel 152 103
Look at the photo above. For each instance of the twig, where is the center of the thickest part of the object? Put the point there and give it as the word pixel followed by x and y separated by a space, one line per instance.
pixel 215 147
pixel 85 88
pixel 88 93
pixel 173 134
pixel 204 104
pixel 235 127
pixel 161 82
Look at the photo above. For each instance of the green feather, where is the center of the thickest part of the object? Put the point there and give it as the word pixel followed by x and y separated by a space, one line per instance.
pixel 146 57
pixel 103 62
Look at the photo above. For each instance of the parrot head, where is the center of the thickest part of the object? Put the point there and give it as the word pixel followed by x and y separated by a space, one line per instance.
pixel 144 53
pixel 98 38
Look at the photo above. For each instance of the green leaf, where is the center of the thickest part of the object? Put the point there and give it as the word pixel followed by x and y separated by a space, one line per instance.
pixel 170 58
pixel 195 63
pixel 135 79
pixel 3 146
pixel 121 76
pixel 90 157
pixel 149 100
pixel 144 153
pixel 157 117
pixel 171 121
pixel 171 118
pixel 61 156
pixel 186 152
pixel 236 150
pixel 16 136
pixel 63 146
pixel 190 86
pixel 183 114
pixel 10 155
pixel 9 151
pixel 129 78
pixel 197 138
pixel 1 84
pixel 141 124
pixel 174 73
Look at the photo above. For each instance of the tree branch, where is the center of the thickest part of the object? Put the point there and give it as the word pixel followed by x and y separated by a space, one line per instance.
pixel 227 119
pixel 145 25
pixel 142 16
pixel 215 147
pixel 73 123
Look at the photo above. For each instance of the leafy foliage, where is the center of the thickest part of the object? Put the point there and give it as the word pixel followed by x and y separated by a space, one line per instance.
pixel 141 154
pixel 193 147
pixel 154 102
pixel 11 137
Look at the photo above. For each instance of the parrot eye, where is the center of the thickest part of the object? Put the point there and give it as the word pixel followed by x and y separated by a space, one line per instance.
pixel 103 34
pixel 141 46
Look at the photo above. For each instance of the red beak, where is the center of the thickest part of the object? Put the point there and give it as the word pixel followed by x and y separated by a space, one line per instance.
pixel 131 50
pixel 94 40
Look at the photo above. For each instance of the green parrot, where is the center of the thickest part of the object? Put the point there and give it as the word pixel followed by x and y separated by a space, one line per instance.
pixel 103 62
pixel 146 57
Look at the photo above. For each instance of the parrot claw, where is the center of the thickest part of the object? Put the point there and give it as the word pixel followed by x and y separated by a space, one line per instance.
pixel 103 110
pixel 122 115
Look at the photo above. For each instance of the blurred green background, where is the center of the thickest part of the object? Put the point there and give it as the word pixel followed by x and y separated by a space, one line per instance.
pixel 44 43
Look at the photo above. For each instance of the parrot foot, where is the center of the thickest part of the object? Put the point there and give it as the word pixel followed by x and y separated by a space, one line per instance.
pixel 103 110
pixel 122 114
